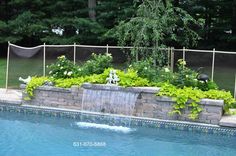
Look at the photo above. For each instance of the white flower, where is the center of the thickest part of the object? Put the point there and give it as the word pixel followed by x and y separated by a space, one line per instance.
pixel 145 68
pixel 166 70
pixel 69 73
pixel 61 57
pixel 65 72
pixel 108 54
pixel 61 68
pixel 79 69
pixel 58 65
pixel 186 76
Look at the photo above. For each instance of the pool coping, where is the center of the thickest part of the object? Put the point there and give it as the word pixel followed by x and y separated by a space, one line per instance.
pixel 121 120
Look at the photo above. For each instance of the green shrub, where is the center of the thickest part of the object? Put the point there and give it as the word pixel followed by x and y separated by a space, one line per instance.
pixel 184 77
pixel 205 86
pixel 193 95
pixel 128 79
pixel 145 69
pixel 63 68
pixel 96 65
pixel 131 79
pixel 165 75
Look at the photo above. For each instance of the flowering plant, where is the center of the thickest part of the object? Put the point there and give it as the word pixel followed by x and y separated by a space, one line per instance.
pixel 63 68
pixel 184 76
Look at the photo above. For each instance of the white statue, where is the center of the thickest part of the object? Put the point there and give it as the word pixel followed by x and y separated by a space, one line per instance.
pixel 113 78
pixel 25 81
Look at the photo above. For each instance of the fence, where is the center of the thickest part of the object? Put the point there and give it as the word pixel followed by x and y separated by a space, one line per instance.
pixel 22 61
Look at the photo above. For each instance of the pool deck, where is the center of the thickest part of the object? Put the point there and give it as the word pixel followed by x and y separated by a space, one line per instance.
pixel 14 96
pixel 228 121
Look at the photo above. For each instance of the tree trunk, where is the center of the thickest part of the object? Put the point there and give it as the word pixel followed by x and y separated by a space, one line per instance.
pixel 91 7
pixel 234 18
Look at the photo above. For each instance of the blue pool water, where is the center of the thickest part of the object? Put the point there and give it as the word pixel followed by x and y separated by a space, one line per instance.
pixel 35 135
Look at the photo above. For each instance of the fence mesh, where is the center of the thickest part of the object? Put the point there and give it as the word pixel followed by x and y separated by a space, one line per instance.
pixel 199 61
pixel 30 61
pixel 51 54
pixel 24 62
pixel 176 56
pixel 224 73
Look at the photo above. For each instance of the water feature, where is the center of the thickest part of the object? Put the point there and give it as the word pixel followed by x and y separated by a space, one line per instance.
pixel 113 101
pixel 109 101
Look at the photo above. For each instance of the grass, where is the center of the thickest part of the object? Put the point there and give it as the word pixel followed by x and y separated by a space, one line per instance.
pixel 2 72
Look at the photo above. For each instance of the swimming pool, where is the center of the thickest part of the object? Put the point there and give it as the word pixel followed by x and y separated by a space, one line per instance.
pixel 30 134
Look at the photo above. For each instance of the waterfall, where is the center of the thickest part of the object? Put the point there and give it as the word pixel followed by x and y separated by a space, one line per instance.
pixel 109 101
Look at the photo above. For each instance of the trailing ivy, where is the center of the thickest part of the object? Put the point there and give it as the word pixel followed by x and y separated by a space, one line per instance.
pixel 189 97
pixel 33 84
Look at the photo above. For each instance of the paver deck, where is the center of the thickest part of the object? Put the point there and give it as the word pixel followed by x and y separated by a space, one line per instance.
pixel 13 96
pixel 229 121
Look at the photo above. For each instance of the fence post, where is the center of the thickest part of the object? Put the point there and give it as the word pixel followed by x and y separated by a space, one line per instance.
pixel 44 59
pixel 172 59
pixel 74 53
pixel 7 70
pixel 213 65
pixel 183 53
pixel 235 87
pixel 168 53
pixel 107 51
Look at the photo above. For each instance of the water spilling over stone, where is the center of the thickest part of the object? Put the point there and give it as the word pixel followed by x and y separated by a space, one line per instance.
pixel 109 101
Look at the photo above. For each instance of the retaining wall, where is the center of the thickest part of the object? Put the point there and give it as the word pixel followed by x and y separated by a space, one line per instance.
pixel 146 105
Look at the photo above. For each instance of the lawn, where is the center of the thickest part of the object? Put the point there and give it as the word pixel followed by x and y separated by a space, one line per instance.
pixel 2 72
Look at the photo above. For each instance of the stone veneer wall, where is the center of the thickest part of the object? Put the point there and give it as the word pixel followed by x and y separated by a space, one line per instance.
pixel 147 104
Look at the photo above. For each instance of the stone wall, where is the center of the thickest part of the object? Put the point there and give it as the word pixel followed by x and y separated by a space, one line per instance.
pixel 146 105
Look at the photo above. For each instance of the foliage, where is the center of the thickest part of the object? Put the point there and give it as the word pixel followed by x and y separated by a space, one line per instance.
pixel 63 68
pixel 165 75
pixel 145 69
pixel 67 83
pixel 220 94
pixel 218 18
pixel 35 26
pixel 33 84
pixel 205 86
pixel 131 79
pixel 96 65
pixel 184 76
pixel 189 97
pixel 157 25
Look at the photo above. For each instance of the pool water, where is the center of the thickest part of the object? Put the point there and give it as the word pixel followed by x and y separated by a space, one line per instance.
pixel 35 135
